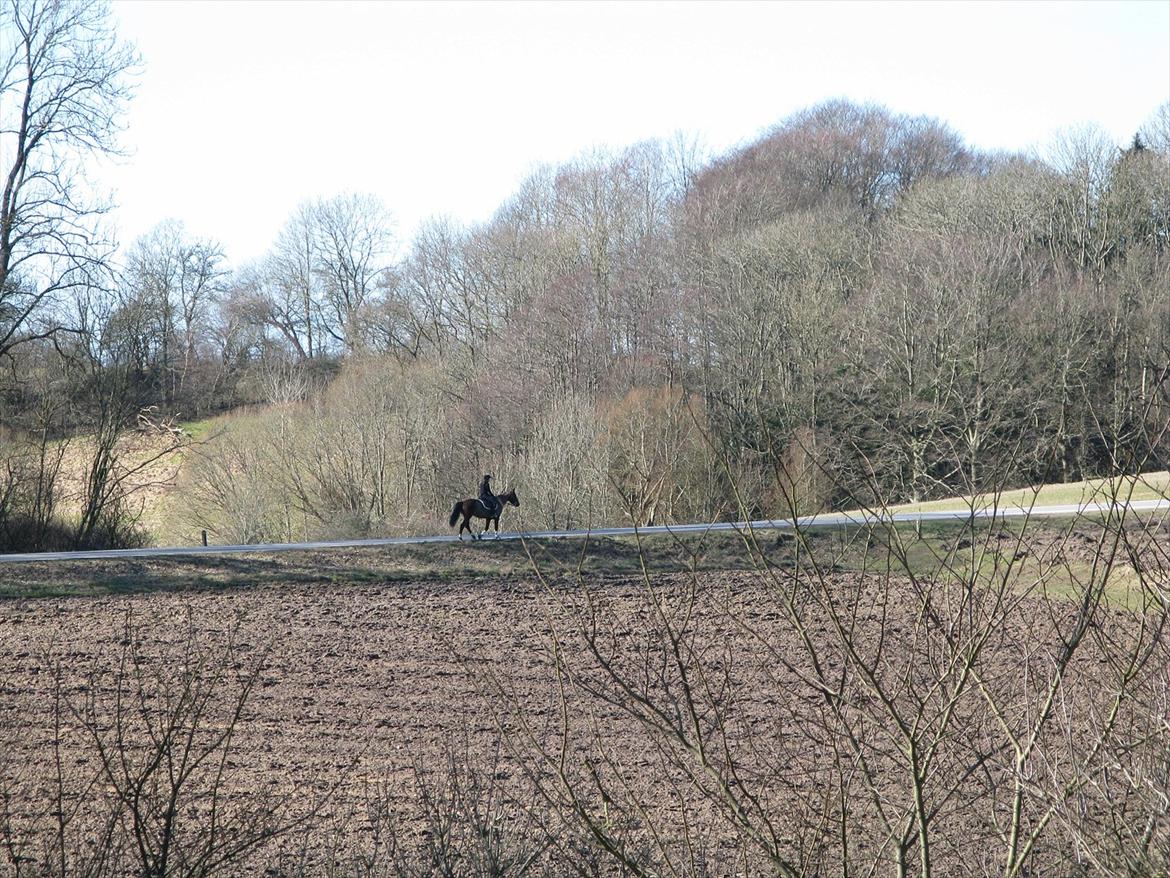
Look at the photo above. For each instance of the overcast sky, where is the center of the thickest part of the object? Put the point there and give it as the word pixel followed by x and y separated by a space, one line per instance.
pixel 245 109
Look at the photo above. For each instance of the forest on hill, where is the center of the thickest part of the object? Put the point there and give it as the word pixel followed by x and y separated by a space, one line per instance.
pixel 857 306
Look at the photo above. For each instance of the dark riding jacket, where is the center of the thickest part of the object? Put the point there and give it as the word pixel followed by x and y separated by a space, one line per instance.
pixel 486 497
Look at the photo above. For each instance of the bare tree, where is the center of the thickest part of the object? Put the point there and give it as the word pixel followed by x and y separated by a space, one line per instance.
pixel 1156 132
pixel 62 87
pixel 354 239
pixel 173 283
pixel 1083 228
pixel 323 275
pixel 286 294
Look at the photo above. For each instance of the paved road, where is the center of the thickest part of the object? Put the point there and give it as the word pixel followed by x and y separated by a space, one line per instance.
pixel 827 520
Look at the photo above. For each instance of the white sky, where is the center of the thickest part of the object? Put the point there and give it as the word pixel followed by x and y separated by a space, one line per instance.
pixel 245 109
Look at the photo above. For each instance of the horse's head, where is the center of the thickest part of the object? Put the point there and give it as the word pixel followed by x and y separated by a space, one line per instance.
pixel 511 499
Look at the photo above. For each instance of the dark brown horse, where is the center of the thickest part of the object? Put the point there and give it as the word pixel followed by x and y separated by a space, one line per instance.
pixel 473 507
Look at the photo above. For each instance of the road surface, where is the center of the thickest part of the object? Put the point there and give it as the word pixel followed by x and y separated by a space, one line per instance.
pixel 813 522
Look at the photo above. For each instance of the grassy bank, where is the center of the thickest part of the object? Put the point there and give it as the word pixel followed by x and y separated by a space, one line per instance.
pixel 1062 556
pixel 1148 486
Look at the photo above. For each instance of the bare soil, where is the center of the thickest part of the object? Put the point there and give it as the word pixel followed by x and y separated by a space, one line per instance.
pixel 370 682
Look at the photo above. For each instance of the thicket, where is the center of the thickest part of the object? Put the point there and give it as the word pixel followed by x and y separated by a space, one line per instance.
pixel 857 293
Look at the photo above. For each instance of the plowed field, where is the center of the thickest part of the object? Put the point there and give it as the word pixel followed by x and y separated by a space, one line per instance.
pixel 361 691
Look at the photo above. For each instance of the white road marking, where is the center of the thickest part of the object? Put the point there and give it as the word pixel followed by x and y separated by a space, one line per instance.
pixel 812 522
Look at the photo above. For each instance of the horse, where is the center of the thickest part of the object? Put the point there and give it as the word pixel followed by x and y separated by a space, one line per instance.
pixel 473 507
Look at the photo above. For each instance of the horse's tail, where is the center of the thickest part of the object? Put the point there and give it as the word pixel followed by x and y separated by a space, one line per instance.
pixel 454 513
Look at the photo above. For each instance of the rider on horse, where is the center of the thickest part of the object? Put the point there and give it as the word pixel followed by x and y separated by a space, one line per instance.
pixel 487 506
pixel 489 500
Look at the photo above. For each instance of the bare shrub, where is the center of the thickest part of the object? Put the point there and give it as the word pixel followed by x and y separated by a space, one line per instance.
pixel 462 815
pixel 988 702
pixel 282 382
pixel 564 467
pixel 141 774
pixel 360 458
pixel 162 728
pixel 659 466
pixel 364 455
pixel 231 487
pixel 67 480
pixel 56 818
pixel 29 471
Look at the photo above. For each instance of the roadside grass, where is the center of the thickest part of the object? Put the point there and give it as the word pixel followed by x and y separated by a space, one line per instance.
pixel 199 431
pixel 1050 557
pixel 1148 486
pixel 439 563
